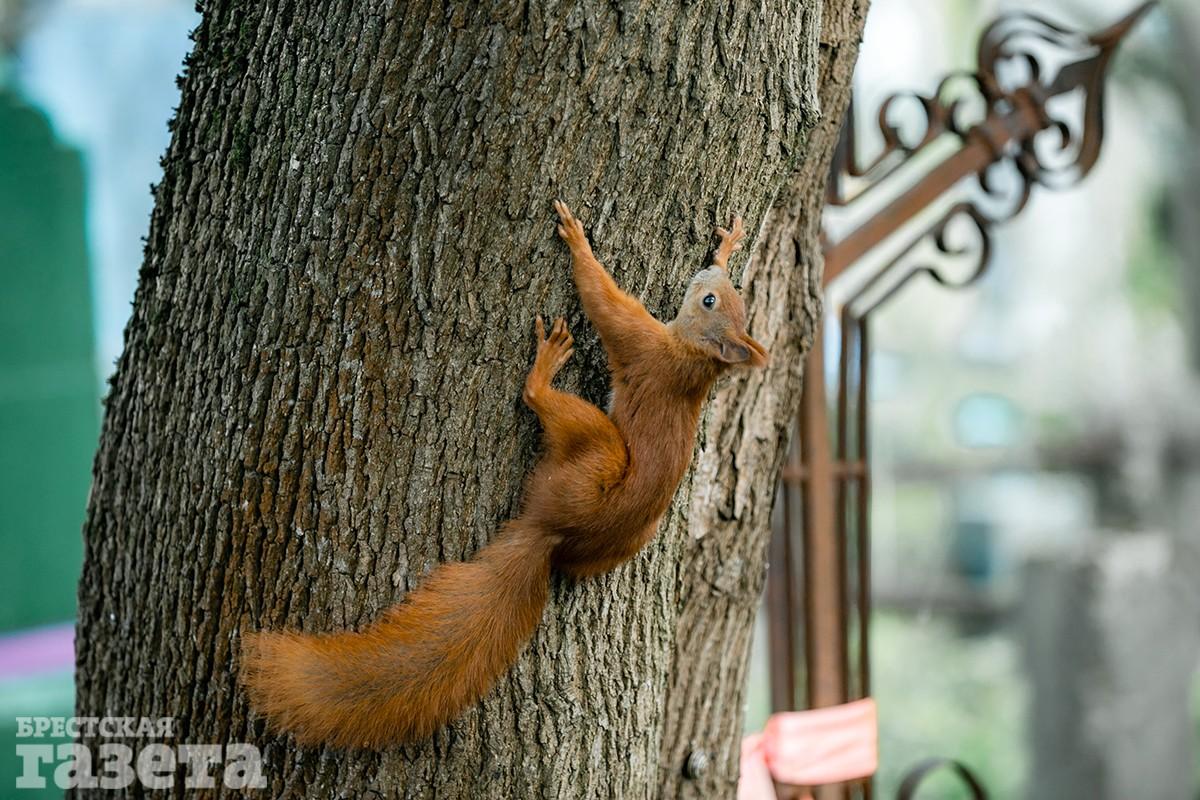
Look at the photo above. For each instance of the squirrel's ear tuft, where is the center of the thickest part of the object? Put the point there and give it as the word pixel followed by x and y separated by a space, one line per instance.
pixel 758 354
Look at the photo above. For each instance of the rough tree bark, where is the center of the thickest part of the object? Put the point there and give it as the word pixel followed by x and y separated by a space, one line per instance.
pixel 319 397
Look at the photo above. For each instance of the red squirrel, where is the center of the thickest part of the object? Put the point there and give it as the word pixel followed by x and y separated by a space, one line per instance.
pixel 592 502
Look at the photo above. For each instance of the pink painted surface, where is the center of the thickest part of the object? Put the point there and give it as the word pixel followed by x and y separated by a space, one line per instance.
pixel 754 782
pixel 32 652
pixel 810 748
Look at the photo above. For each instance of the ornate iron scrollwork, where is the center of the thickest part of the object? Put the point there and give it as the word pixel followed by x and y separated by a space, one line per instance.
pixel 1016 108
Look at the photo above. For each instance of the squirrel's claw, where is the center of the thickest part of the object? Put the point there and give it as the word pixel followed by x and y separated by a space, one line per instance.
pixel 559 334
pixel 730 242
pixel 733 237
pixel 570 229
pixel 553 351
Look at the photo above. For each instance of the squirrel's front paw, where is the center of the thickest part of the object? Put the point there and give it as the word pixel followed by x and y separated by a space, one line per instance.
pixel 731 239
pixel 570 229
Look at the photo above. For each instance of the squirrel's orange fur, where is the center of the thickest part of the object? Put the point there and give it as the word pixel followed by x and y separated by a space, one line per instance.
pixel 592 502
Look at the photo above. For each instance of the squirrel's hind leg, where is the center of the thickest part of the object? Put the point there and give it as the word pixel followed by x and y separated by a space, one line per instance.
pixel 571 425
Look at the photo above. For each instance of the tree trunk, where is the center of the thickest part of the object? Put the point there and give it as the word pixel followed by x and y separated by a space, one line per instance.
pixel 319 397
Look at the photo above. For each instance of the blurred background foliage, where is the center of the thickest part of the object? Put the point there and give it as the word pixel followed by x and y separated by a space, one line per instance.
pixel 1036 447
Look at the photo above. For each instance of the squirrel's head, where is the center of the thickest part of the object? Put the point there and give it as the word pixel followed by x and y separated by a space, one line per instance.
pixel 713 319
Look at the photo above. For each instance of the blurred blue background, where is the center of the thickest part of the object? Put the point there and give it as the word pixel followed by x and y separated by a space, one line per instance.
pixel 86 90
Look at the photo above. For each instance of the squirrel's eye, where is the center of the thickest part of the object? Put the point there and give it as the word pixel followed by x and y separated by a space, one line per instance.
pixel 709 300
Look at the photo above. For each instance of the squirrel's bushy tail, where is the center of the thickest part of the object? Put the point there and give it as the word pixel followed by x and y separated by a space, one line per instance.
pixel 420 665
